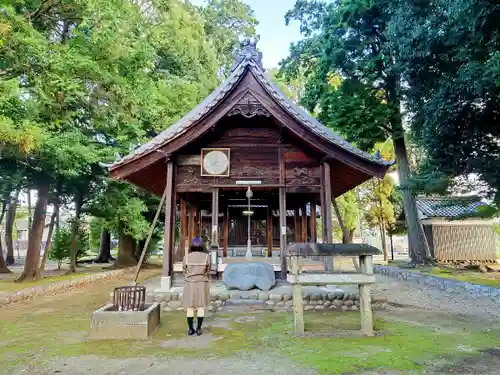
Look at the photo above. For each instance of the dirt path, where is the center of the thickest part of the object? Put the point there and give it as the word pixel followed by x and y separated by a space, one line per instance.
pixel 434 300
pixel 409 304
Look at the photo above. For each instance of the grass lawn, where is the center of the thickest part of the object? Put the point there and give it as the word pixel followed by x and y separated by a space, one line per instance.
pixel 57 326
pixel 7 283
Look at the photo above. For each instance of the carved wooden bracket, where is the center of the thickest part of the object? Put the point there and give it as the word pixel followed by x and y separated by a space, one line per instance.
pixel 248 107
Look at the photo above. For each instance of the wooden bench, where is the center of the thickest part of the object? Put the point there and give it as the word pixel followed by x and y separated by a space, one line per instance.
pixel 363 278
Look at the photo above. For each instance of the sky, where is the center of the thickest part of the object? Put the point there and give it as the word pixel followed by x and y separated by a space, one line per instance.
pixel 275 36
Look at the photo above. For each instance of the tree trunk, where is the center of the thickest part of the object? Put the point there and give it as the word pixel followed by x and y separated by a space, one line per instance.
pixel 3 265
pixel 35 239
pixel 9 228
pixel 347 235
pixel 126 250
pixel 74 233
pixel 392 245
pixel 383 239
pixel 48 243
pixel 419 249
pixel 104 247
pixel 29 210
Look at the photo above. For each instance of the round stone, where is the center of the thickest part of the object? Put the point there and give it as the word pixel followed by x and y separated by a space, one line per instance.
pixel 344 308
pixel 356 303
pixel 289 303
pixel 174 304
pixel 312 303
pixel 308 308
pixel 224 296
pixel 280 304
pixel 354 308
pixel 337 303
pixel 319 307
pixel 270 303
pixel 263 296
pixel 275 297
pixel 287 297
pixel 333 308
pixel 327 303
pixel 349 303
pixel 315 297
pixel 320 302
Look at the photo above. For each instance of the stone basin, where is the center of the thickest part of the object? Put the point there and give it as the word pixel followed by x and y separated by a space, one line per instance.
pixel 110 324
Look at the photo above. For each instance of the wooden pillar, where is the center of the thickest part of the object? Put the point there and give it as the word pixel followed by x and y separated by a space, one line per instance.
pixel 192 224
pixel 215 218
pixel 304 222
pixel 312 221
pixel 168 243
pixel 269 224
pixel 365 301
pixel 328 203
pixel 283 232
pixel 296 224
pixel 225 221
pixel 183 231
pixel 322 199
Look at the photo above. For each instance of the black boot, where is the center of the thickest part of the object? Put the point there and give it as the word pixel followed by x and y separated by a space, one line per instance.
pixel 191 331
pixel 198 327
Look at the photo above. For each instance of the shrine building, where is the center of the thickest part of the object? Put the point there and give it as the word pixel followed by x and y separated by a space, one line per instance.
pixel 247 169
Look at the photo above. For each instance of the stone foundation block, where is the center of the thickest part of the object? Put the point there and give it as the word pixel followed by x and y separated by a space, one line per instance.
pixel 109 324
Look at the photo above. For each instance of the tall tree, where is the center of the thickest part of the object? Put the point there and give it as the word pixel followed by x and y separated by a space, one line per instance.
pixel 348 39
pixel 226 23
pixel 449 52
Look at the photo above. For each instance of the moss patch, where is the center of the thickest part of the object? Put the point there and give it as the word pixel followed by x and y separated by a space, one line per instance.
pixel 57 326
pixel 470 276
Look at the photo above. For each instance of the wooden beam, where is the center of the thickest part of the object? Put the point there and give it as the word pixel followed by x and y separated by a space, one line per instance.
pixel 304 223
pixel 298 303
pixel 183 231
pixel 282 198
pixel 225 221
pixel 168 242
pixel 296 225
pixel 328 203
pixel 269 224
pixel 215 217
pixel 312 221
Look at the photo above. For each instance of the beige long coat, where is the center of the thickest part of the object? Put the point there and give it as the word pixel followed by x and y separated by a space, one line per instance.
pixel 196 276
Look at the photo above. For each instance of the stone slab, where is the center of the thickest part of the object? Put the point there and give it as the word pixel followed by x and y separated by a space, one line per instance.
pixel 109 324
pixel 246 276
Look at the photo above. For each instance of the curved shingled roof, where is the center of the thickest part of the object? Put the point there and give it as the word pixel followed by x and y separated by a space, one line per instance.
pixel 218 95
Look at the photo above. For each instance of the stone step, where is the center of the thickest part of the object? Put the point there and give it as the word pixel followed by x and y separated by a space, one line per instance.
pixel 244 302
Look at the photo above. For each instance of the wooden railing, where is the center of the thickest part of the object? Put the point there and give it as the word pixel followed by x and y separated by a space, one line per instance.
pixel 363 278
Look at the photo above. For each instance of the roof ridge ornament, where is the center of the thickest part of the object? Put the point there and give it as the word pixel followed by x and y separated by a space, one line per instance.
pixel 247 52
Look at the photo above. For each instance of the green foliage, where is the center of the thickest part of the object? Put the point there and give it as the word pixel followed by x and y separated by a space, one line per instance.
pixel 61 241
pixel 226 23
pixel 449 52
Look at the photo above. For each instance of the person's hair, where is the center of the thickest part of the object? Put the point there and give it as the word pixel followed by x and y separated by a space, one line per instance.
pixel 197 245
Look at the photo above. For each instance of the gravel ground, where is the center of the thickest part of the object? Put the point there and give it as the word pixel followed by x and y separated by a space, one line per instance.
pixel 84 365
pixel 410 294
pixel 409 302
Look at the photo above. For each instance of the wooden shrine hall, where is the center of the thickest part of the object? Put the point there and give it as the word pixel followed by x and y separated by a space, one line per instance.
pixel 246 138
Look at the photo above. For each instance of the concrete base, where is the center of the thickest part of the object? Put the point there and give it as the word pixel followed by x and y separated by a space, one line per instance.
pixel 109 324
pixel 165 284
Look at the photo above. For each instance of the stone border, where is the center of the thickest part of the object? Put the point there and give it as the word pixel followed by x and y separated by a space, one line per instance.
pixel 58 286
pixel 278 299
pixel 447 285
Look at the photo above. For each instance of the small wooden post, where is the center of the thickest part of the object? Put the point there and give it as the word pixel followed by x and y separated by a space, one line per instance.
pixel 269 231
pixel 304 222
pixel 192 224
pixel 298 306
pixel 365 302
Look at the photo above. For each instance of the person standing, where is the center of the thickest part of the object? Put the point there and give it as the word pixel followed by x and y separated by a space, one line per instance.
pixel 196 294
